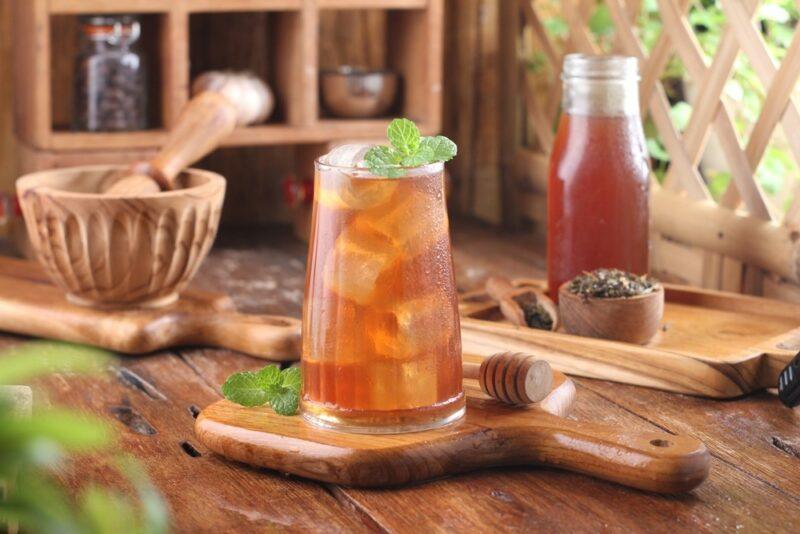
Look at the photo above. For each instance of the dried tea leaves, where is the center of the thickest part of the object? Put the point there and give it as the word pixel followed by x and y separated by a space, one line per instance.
pixel 611 284
pixel 536 315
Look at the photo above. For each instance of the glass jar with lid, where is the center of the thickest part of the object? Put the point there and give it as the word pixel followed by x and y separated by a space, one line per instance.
pixel 111 75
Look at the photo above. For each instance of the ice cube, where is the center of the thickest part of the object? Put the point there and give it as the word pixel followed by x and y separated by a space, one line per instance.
pixel 353 187
pixel 340 191
pixel 329 197
pixel 367 193
pixel 421 327
pixel 359 257
pixel 414 222
pixel 350 155
pixel 402 385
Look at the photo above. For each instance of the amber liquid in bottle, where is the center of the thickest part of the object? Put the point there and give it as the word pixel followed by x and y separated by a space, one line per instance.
pixel 598 212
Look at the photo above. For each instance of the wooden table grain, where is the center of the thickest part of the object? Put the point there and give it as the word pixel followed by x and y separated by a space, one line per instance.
pixel 152 400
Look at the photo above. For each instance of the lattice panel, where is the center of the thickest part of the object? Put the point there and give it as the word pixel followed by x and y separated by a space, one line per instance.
pixel 712 113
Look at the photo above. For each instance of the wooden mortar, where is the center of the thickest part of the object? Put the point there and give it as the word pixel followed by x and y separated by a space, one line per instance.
pixel 119 251
pixel 631 319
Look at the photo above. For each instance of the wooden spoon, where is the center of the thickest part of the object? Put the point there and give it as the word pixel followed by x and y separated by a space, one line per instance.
pixel 503 291
pixel 206 120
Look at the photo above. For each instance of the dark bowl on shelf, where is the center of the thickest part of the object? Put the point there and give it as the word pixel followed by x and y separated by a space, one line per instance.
pixel 354 93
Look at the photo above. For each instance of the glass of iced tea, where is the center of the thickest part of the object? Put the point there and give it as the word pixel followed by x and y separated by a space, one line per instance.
pixel 381 335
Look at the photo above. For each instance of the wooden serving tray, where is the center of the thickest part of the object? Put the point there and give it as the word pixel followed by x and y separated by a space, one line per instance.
pixel 31 305
pixel 712 344
pixel 491 434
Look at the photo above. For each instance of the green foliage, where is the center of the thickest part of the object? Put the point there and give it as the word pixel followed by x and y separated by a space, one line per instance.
pixel 744 94
pixel 32 448
pixel 744 91
pixel 41 357
pixel 281 389
pixel 600 23
pixel 556 26
pixel 680 113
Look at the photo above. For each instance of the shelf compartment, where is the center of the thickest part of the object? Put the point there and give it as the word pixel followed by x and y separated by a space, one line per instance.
pixel 412 47
pixel 291 68
pixel 64 49
pixel 274 41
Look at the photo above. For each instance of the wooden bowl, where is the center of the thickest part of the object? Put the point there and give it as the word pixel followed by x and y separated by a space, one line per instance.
pixel 117 251
pixel 632 320
pixel 358 94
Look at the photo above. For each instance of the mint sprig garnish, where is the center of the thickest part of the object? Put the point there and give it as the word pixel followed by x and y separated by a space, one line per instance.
pixel 270 385
pixel 408 149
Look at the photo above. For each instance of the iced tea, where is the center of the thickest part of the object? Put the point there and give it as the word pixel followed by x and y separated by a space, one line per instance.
pixel 381 336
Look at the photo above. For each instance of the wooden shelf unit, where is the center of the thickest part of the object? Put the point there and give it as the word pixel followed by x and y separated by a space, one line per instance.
pixel 414 49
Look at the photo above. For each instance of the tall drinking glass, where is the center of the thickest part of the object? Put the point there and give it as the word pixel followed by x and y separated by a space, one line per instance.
pixel 381 335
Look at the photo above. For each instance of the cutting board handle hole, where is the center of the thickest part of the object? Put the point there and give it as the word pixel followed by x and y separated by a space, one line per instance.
pixel 660 443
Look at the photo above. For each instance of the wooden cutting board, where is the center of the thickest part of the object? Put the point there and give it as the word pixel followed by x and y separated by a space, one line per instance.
pixel 491 434
pixel 712 344
pixel 31 305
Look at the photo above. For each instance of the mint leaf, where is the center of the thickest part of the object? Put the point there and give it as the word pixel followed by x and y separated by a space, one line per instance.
pixel 404 136
pixel 408 150
pixel 384 161
pixel 383 156
pixel 292 379
pixel 270 376
pixel 281 389
pixel 285 401
pixel 284 397
pixel 423 156
pixel 245 388
pixel 440 147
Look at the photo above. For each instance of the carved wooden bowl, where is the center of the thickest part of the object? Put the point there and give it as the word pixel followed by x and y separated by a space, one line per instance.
pixel 631 320
pixel 120 251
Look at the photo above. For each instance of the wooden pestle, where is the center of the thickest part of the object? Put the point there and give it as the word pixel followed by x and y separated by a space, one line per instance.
pixel 207 119
pixel 512 377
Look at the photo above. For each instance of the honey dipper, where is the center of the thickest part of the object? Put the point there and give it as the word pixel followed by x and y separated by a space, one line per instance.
pixel 207 119
pixel 512 377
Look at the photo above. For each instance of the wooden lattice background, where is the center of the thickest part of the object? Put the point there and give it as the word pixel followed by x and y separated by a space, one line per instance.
pixel 739 241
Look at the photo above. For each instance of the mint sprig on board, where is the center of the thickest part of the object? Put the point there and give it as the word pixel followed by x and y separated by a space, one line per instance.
pixel 270 385
pixel 408 149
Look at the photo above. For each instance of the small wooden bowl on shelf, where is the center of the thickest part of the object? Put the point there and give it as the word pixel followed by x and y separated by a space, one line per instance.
pixel 353 93
pixel 114 251
pixel 633 319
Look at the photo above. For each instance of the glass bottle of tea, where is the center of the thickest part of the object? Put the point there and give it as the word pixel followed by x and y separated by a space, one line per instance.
pixel 598 186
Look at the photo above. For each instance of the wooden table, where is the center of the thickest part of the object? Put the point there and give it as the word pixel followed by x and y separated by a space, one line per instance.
pixel 152 400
